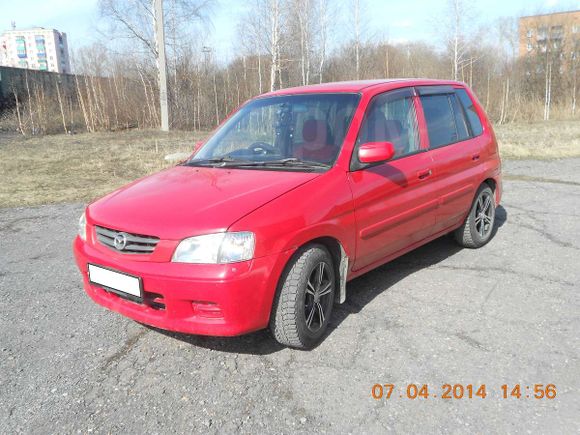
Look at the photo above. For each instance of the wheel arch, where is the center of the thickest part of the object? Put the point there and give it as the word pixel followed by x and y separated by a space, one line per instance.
pixel 494 184
pixel 339 257
pixel 491 183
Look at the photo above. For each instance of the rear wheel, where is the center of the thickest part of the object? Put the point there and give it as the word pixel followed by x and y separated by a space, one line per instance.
pixel 305 298
pixel 477 229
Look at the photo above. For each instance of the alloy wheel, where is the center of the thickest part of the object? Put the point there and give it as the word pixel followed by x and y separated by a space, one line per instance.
pixel 318 293
pixel 484 214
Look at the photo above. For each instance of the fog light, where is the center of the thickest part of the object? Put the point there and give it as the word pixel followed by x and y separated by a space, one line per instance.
pixel 209 310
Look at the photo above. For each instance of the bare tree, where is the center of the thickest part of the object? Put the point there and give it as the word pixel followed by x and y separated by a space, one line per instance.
pixel 574 67
pixel 262 30
pixel 323 16
pixel 357 36
pixel 133 19
pixel 302 11
pixel 275 23
pixel 137 20
pixel 455 18
pixel 508 40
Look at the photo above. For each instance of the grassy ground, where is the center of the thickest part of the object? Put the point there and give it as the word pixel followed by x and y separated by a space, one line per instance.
pixel 61 168
pixel 539 140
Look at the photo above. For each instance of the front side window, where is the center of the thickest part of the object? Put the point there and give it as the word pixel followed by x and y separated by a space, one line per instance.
pixel 391 117
pixel 293 131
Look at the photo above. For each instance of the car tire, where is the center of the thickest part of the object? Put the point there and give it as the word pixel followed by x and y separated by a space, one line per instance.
pixel 304 301
pixel 477 229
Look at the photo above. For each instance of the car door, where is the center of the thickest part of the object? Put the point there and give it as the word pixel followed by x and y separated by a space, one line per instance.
pixel 394 203
pixel 454 151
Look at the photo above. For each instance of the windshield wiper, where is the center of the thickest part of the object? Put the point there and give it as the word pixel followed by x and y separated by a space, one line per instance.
pixel 226 161
pixel 290 161
pixel 222 161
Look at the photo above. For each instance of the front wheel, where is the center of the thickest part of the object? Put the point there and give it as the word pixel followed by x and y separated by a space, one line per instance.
pixel 305 298
pixel 477 229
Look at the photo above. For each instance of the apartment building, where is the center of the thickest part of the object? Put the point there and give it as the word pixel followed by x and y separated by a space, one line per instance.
pixel 36 48
pixel 550 33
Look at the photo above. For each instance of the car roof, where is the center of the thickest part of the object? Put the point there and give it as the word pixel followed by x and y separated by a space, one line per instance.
pixel 359 86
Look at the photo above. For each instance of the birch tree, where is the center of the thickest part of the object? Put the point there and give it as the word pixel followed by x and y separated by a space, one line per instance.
pixel 261 31
pixel 302 12
pixel 357 36
pixel 455 18
pixel 323 17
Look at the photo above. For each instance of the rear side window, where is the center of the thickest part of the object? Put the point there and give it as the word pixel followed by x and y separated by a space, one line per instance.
pixel 440 120
pixel 472 116
pixel 446 123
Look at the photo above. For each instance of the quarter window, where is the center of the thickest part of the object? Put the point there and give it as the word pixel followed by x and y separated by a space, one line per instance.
pixel 460 122
pixel 472 116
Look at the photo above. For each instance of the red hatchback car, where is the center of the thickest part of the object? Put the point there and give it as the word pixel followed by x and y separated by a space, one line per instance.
pixel 298 192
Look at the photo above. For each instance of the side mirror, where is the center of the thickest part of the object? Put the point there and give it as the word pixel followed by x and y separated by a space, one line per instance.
pixel 376 152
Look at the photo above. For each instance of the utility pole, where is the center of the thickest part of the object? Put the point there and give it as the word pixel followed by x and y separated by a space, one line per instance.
pixel 161 63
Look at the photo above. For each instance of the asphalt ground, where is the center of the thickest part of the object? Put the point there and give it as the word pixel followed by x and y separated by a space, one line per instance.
pixel 507 313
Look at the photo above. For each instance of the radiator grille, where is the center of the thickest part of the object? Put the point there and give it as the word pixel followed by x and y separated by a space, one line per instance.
pixel 124 242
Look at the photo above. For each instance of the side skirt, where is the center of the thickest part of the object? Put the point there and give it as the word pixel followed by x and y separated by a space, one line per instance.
pixel 356 273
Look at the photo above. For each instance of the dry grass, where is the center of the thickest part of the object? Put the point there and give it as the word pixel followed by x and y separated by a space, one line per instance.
pixel 539 140
pixel 62 168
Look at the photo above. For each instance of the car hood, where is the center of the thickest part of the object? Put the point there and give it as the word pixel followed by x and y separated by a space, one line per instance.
pixel 185 201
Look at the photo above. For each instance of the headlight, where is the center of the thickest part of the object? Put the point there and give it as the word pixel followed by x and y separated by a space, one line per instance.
pixel 216 248
pixel 83 227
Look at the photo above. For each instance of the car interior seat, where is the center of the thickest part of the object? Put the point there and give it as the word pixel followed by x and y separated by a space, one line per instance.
pixel 316 145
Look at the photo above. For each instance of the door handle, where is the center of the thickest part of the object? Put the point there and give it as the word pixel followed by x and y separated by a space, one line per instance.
pixel 475 157
pixel 424 174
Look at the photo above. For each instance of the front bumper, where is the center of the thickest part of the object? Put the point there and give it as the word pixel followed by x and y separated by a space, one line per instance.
pixel 205 299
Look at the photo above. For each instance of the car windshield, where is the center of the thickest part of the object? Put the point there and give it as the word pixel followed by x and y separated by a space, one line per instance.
pixel 292 132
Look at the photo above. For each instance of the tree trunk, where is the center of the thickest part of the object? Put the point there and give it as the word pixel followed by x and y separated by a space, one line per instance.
pixel 82 103
pixel 32 127
pixel 357 37
pixel 274 42
pixel 60 104
pixel 20 127
pixel 217 112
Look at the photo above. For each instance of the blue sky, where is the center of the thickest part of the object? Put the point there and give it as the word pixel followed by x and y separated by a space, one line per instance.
pixel 395 20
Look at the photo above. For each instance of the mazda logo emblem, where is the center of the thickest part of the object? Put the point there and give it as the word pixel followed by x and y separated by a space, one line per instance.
pixel 120 241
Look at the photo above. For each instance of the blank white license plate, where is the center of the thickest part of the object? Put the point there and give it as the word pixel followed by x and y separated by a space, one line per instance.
pixel 118 281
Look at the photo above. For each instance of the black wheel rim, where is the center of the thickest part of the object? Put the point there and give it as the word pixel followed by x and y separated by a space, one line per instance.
pixel 484 214
pixel 319 289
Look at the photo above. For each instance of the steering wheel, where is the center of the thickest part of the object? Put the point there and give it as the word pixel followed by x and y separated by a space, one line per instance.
pixel 262 148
